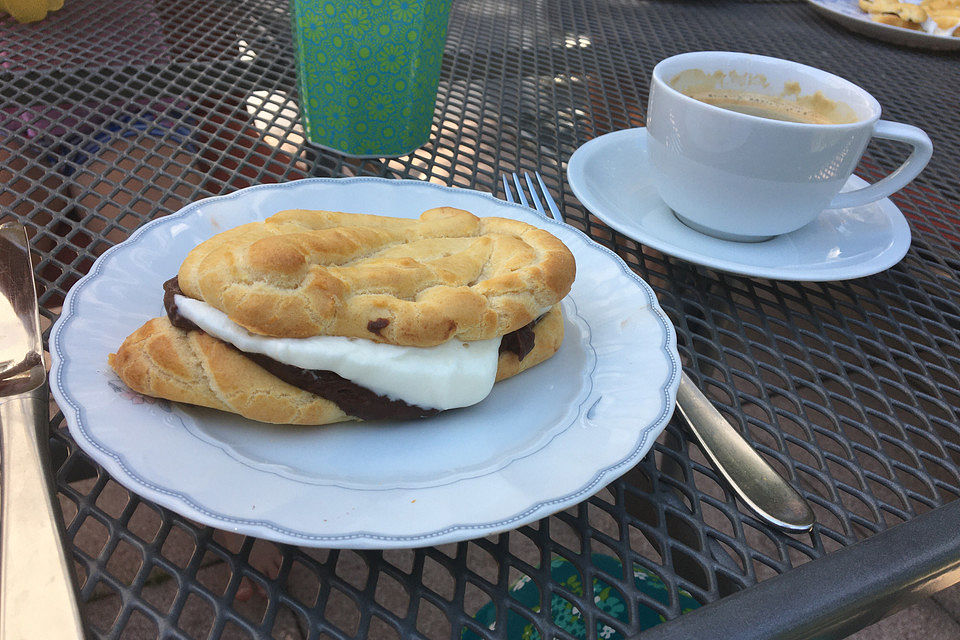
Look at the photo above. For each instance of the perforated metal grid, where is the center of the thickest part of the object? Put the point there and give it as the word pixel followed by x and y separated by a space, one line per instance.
pixel 115 113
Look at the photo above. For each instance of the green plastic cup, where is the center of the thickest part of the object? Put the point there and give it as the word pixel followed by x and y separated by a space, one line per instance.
pixel 368 71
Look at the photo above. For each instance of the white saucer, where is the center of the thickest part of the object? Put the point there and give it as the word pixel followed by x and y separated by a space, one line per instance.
pixel 609 175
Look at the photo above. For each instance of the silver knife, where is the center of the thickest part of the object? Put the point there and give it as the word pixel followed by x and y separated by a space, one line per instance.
pixel 751 477
pixel 37 593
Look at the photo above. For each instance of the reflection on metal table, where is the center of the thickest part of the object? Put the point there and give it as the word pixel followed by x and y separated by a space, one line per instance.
pixel 116 113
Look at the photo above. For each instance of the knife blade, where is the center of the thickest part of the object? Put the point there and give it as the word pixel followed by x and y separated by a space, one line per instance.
pixel 751 477
pixel 37 594
pixel 21 362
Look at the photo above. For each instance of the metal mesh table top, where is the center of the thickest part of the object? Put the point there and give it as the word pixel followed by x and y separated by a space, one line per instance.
pixel 115 113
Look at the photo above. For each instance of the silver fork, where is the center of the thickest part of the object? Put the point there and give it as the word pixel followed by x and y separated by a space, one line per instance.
pixel 750 477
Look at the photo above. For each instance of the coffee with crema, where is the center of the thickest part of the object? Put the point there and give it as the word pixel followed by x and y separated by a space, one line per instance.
pixel 765 106
pixel 754 94
pixel 747 178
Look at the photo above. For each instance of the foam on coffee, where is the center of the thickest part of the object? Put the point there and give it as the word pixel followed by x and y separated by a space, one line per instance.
pixel 763 106
pixel 751 94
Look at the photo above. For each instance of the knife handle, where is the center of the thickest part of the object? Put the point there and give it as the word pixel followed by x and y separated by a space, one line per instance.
pixel 753 480
pixel 37 593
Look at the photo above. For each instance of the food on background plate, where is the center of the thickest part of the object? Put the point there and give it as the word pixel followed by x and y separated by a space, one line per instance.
pixel 937 17
pixel 895 13
pixel 315 317
pixel 944 16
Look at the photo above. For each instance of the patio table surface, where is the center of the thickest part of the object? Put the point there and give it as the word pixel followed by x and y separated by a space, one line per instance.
pixel 116 113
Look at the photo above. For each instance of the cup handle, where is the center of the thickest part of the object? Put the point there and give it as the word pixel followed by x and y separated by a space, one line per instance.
pixel 922 151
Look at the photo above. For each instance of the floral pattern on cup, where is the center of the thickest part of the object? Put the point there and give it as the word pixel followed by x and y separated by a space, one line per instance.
pixel 368 72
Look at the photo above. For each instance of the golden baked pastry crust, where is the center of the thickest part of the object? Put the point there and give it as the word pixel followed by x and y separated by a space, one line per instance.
pixel 894 13
pixel 945 13
pixel 409 282
pixel 163 361
pixel 894 21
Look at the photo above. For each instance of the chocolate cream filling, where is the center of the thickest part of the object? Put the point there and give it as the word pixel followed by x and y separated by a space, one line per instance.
pixel 352 398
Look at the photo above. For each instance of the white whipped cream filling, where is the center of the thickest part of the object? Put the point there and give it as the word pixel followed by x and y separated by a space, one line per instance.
pixel 449 375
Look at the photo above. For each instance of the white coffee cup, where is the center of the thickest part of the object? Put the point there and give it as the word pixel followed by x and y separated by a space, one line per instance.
pixel 749 178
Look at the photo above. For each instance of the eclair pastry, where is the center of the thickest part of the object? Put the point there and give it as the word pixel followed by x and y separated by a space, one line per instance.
pixel 315 317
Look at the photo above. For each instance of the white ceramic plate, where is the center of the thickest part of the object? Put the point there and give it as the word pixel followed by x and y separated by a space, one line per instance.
pixel 609 175
pixel 542 441
pixel 849 14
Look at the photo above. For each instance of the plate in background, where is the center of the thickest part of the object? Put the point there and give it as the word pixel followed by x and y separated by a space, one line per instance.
pixel 849 14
